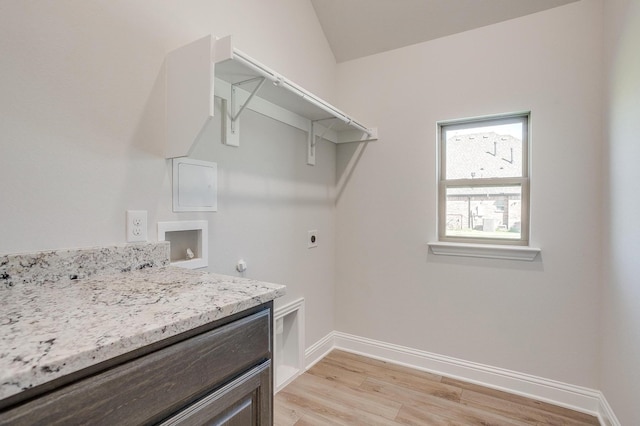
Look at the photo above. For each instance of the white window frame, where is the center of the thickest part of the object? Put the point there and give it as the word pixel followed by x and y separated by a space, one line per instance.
pixel 524 181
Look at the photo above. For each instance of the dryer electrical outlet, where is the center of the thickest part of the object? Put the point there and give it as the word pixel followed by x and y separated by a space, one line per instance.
pixel 136 226
pixel 312 238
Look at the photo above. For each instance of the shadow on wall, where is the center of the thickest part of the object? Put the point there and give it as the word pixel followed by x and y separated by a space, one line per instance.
pixel 269 167
pixel 347 159
pixel 149 135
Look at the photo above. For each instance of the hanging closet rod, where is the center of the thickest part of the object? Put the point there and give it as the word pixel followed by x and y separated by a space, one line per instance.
pixel 281 81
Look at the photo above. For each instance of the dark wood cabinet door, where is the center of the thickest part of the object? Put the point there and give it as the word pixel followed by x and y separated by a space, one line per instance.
pixel 246 401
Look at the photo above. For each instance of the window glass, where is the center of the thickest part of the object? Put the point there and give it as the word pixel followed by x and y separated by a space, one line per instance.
pixel 484 151
pixel 484 211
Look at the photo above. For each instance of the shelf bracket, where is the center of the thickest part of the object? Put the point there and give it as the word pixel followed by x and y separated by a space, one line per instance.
pixel 232 133
pixel 311 140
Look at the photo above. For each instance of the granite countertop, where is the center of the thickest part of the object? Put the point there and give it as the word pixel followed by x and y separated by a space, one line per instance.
pixel 51 328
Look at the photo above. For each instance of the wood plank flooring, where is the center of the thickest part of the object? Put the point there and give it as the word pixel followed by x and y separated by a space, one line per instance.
pixel 348 389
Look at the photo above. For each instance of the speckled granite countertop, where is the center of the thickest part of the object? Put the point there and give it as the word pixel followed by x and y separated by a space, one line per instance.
pixel 52 327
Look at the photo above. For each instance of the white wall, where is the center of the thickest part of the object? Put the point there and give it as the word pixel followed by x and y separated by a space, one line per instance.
pixel 81 122
pixel 268 200
pixel 536 317
pixel 620 373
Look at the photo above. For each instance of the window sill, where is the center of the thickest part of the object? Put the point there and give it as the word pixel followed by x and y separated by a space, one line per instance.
pixel 490 251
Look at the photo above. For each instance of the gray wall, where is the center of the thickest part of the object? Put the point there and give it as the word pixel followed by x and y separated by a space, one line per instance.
pixel 82 116
pixel 536 317
pixel 620 373
pixel 268 199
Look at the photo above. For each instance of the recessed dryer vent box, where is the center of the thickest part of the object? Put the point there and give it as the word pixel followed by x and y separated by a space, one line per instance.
pixel 195 185
pixel 189 242
pixel 288 345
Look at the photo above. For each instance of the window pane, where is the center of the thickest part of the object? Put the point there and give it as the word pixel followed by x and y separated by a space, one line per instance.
pixel 484 151
pixel 484 212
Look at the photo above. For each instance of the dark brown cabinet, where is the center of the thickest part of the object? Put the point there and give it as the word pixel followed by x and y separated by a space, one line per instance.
pixel 245 401
pixel 221 376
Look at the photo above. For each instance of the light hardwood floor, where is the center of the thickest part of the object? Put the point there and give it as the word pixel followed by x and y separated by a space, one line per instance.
pixel 347 389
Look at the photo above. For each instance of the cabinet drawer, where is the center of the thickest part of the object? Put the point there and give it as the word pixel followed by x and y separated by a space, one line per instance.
pixel 147 389
pixel 246 401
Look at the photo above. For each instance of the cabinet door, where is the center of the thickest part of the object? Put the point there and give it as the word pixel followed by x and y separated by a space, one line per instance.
pixel 246 401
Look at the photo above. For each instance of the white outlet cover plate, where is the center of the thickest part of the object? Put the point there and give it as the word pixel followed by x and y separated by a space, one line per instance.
pixel 136 226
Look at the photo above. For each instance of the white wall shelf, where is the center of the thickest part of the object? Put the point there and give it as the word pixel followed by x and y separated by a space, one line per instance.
pixel 213 67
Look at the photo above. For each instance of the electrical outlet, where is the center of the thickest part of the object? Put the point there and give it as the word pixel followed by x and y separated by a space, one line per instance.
pixel 312 239
pixel 136 225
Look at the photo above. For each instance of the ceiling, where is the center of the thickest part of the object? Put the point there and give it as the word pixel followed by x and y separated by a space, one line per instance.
pixel 357 28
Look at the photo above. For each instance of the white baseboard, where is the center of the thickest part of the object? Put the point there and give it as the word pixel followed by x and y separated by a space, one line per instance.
pixel 577 398
pixel 319 350
pixel 605 414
